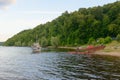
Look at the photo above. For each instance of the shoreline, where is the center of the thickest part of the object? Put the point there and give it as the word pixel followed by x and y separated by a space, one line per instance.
pixel 100 52
pixel 117 54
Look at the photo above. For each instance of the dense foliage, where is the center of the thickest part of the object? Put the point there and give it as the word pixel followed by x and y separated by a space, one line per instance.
pixel 118 38
pixel 75 28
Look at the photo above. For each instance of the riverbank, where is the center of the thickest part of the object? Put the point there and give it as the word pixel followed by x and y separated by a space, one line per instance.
pixel 108 53
pixel 112 49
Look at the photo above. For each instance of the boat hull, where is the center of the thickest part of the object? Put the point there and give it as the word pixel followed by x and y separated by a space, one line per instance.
pixel 36 48
pixel 36 51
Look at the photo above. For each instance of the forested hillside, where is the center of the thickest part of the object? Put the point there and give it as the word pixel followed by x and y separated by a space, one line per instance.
pixel 75 28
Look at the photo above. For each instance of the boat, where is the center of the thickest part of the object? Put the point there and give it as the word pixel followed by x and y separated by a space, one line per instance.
pixel 88 50
pixel 36 48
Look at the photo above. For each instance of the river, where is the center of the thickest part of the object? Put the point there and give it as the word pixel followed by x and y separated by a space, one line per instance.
pixel 19 63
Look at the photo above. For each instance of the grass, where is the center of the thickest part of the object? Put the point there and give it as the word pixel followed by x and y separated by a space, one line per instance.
pixel 114 46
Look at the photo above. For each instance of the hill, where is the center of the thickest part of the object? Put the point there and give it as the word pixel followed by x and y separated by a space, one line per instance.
pixel 75 28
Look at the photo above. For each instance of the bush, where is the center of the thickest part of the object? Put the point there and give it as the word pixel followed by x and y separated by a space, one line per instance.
pixel 101 41
pixel 107 40
pixel 91 41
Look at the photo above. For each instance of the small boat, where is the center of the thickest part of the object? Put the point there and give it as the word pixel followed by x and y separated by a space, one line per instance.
pixel 36 47
pixel 89 49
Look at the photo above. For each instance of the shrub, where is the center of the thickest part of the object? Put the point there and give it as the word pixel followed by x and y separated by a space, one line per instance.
pixel 107 40
pixel 101 41
pixel 91 41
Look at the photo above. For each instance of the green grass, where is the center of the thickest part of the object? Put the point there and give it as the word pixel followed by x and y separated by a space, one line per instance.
pixel 114 46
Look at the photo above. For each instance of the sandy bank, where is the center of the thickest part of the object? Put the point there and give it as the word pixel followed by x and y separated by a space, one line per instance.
pixel 101 52
pixel 108 53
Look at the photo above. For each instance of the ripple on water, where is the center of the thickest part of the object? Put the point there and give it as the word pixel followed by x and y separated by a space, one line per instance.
pixel 18 63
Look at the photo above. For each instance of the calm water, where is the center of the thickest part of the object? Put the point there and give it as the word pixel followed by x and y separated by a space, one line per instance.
pixel 18 63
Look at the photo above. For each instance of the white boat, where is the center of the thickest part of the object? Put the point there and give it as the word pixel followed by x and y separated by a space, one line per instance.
pixel 36 47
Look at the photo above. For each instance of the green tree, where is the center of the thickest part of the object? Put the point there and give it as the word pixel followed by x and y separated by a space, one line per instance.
pixel 113 28
pixel 18 43
pixel 44 42
pixel 55 42
pixel 30 43
pixel 118 38
pixel 75 28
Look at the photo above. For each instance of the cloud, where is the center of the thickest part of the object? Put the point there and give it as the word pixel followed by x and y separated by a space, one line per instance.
pixel 4 4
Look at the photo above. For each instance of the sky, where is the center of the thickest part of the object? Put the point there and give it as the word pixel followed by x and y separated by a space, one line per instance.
pixel 18 15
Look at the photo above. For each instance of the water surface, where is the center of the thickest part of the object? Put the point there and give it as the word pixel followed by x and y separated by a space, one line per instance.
pixel 19 63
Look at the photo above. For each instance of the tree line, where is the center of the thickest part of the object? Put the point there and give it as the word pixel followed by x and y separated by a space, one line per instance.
pixel 73 29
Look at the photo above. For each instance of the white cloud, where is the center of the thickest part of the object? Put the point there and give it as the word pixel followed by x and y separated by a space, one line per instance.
pixel 5 3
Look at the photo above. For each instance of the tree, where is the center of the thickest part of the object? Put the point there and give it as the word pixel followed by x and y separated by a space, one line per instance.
pixel 44 42
pixel 118 38
pixel 18 43
pixel 114 29
pixel 105 20
pixel 30 43
pixel 75 28
pixel 55 42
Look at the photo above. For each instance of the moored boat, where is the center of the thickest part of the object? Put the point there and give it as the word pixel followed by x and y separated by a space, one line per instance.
pixel 36 48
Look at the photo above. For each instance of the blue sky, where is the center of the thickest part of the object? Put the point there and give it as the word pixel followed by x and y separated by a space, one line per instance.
pixel 17 15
